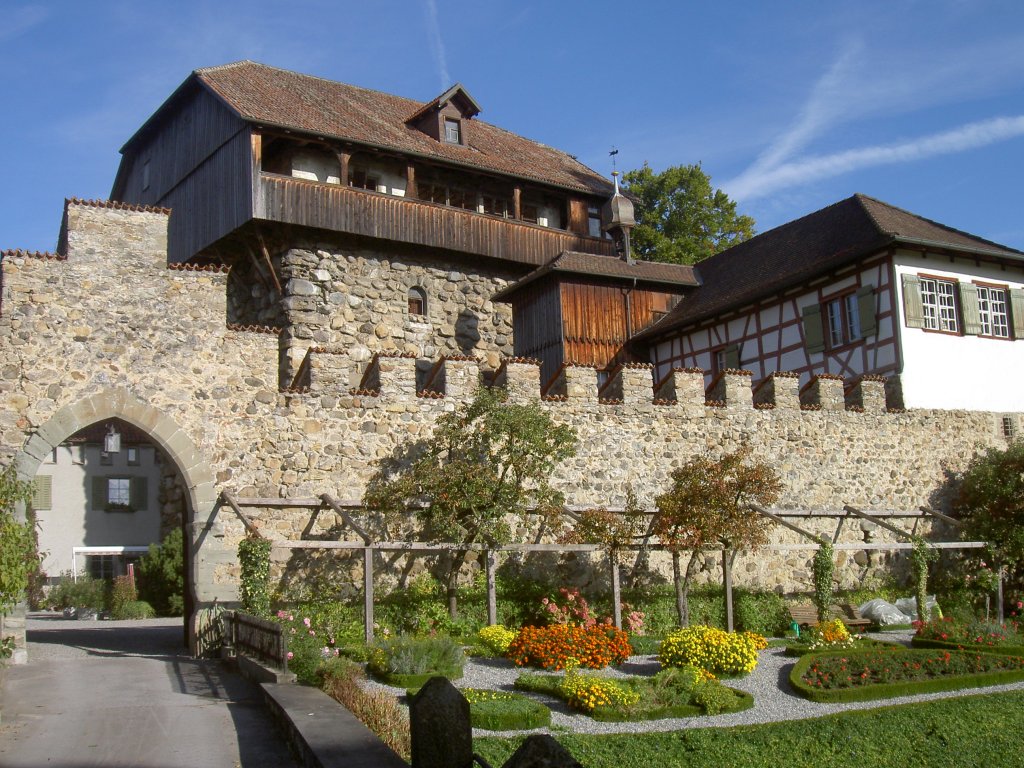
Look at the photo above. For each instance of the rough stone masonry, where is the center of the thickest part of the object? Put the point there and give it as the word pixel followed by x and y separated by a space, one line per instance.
pixel 105 329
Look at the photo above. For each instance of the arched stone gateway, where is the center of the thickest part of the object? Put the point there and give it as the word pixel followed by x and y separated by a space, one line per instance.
pixel 202 552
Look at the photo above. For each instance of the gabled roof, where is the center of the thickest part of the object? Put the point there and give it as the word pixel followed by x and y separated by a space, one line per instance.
pixel 796 252
pixel 593 265
pixel 277 98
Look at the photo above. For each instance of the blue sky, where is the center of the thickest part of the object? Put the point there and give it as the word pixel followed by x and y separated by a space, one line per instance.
pixel 789 106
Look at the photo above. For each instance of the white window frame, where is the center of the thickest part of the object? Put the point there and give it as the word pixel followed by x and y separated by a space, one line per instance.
pixel 452 131
pixel 119 491
pixel 993 311
pixel 938 304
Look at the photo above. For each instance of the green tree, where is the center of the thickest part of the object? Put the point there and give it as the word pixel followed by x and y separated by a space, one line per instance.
pixel 680 217
pixel 162 575
pixel 706 507
pixel 485 462
pixel 990 500
pixel 18 557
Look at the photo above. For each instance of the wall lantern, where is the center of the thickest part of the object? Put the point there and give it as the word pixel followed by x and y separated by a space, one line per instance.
pixel 112 440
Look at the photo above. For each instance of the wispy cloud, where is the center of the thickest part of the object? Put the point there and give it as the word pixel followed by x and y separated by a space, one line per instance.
pixel 757 183
pixel 437 44
pixel 857 86
pixel 20 20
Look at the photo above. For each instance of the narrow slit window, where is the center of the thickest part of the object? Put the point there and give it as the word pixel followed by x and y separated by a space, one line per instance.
pixel 417 301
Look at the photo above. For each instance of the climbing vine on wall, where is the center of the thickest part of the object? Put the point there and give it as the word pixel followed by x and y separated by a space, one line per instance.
pixel 254 557
pixel 824 570
pixel 920 556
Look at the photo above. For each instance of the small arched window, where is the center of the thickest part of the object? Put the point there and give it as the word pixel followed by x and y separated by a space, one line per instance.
pixel 417 301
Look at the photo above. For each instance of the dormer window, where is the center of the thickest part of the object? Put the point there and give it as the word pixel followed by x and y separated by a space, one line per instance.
pixel 452 131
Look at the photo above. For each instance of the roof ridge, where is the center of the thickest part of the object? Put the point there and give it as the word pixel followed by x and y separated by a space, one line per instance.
pixel 862 197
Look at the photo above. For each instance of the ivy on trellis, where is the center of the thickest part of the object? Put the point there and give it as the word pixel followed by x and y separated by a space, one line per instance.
pixel 254 557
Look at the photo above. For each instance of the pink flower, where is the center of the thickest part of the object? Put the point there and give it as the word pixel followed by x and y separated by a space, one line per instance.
pixel 291 655
pixel 306 621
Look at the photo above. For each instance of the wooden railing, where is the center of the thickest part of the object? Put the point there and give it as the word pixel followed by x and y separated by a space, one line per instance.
pixel 256 637
pixel 373 214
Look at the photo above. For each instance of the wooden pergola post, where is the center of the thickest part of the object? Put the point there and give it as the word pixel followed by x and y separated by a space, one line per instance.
pixel 490 565
pixel 613 559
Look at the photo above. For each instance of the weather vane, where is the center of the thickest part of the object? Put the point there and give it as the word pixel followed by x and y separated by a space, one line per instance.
pixel 613 153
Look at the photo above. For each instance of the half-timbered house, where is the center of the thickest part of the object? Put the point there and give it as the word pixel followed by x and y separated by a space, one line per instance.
pixel 859 288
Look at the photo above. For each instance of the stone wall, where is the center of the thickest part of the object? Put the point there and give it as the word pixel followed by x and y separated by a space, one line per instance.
pixel 110 330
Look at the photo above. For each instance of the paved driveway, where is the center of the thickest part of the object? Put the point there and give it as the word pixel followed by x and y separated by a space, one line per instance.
pixel 127 694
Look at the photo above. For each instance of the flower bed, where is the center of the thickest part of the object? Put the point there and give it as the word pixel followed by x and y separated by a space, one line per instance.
pixel 685 692
pixel 552 647
pixel 409 662
pixel 974 636
pixel 711 649
pixel 866 675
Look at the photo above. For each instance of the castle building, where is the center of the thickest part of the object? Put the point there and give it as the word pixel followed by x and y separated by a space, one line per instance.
pixel 296 278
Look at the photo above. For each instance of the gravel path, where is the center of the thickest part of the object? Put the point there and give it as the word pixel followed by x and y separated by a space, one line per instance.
pixel 774 698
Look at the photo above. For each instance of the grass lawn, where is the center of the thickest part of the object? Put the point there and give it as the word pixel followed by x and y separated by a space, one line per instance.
pixel 963 732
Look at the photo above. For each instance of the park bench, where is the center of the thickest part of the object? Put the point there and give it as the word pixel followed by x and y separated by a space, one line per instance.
pixel 806 615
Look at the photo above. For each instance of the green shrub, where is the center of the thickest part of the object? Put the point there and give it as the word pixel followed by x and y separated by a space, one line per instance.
pixel 122 591
pixel 254 588
pixel 162 575
pixel 83 593
pixel 319 631
pixel 134 610
pixel 714 698
pixel 404 659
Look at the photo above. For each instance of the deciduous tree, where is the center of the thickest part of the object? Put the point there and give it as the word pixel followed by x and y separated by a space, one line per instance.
pixel 706 507
pixel 484 463
pixel 680 217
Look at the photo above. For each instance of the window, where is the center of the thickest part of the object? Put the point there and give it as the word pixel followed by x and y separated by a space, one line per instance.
pixel 1008 430
pixel 594 221
pixel 496 206
pixel 992 312
pixel 842 319
pixel 452 131
pixel 119 491
pixel 132 455
pixel 938 304
pixel 361 179
pixel 725 359
pixel 417 301
pixel 101 566
pixel 119 494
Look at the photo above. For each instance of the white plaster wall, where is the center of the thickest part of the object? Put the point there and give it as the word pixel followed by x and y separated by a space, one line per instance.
pixel 73 523
pixel 315 166
pixel 957 371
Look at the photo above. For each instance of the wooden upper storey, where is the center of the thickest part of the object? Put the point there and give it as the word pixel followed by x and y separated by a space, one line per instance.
pixel 245 142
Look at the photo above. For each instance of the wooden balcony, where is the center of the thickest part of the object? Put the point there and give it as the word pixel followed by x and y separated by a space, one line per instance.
pixel 372 214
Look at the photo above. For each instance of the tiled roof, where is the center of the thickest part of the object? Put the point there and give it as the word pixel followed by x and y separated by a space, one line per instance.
pixel 575 262
pixel 793 253
pixel 277 97
pixel 117 205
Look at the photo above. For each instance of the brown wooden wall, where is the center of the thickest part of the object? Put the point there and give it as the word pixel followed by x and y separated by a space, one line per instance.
pixel 537 326
pixel 594 319
pixel 356 211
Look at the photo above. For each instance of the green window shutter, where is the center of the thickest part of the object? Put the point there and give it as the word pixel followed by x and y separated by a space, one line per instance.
pixel 139 493
pixel 1017 312
pixel 732 356
pixel 42 493
pixel 912 307
pixel 99 493
pixel 866 310
pixel 969 306
pixel 814 334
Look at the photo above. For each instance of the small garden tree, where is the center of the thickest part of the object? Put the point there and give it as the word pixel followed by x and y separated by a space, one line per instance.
pixel 486 461
pixel 990 501
pixel 707 507
pixel 18 557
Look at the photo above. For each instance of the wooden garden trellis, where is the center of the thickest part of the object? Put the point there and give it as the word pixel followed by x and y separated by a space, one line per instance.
pixel 368 546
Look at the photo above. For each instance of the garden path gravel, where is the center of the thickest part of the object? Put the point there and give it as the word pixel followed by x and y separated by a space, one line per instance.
pixel 774 697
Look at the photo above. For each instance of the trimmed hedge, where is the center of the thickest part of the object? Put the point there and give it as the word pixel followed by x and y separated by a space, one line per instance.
pixel 798 650
pixel 1006 650
pixel 514 713
pixel 892 690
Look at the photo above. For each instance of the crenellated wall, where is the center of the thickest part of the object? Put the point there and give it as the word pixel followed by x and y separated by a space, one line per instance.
pixel 106 329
